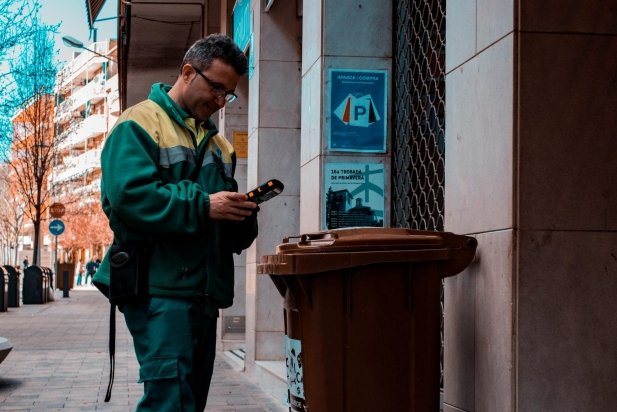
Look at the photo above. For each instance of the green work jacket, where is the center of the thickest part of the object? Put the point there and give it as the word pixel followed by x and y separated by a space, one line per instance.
pixel 153 189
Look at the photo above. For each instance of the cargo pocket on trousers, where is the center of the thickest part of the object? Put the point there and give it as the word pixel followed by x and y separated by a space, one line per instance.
pixel 162 387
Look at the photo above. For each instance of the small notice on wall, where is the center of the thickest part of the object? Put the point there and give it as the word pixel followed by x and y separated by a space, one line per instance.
pixel 354 195
pixel 241 144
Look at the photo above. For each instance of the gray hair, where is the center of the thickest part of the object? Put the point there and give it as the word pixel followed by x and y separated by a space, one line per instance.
pixel 216 46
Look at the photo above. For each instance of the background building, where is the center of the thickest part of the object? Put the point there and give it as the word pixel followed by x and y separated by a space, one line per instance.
pixel 499 125
pixel 87 108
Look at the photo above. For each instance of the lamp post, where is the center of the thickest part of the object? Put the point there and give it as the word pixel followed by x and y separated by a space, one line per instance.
pixel 73 42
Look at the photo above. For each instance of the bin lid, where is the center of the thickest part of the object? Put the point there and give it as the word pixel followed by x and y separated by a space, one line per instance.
pixel 351 247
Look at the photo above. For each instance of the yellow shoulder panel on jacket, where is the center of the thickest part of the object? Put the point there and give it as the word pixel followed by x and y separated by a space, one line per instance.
pixel 152 118
pixel 226 148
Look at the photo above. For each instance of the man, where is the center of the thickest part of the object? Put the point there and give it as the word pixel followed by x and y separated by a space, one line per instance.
pixel 90 271
pixel 167 178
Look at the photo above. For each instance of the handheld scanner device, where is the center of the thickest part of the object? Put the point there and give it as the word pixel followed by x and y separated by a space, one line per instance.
pixel 265 191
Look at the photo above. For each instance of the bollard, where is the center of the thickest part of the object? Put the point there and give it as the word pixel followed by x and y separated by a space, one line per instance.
pixel 14 286
pixel 65 284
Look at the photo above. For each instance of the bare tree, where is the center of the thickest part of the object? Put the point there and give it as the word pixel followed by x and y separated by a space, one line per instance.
pixel 86 226
pixel 18 24
pixel 31 100
pixel 11 217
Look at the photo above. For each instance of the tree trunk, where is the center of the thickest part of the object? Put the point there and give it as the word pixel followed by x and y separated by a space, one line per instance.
pixel 36 259
pixel 16 257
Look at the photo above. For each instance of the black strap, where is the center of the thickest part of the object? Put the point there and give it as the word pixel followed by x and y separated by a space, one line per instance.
pixel 112 349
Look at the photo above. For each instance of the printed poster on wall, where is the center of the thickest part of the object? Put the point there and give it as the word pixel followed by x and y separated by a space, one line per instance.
pixel 354 195
pixel 358 110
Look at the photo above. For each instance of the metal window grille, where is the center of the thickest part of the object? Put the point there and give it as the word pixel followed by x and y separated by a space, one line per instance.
pixel 419 117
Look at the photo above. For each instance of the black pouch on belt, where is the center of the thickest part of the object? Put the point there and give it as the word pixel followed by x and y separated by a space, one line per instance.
pixel 128 277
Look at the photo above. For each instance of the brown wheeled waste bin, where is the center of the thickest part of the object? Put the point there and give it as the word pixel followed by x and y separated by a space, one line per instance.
pixel 362 316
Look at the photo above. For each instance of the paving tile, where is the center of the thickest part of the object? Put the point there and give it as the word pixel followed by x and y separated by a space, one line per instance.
pixel 60 362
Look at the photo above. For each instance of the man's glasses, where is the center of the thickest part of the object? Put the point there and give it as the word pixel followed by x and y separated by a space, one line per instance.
pixel 217 88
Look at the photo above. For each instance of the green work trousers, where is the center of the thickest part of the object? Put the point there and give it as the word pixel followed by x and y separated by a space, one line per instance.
pixel 175 342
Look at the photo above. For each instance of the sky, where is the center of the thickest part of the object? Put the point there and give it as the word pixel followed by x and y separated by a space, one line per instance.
pixel 72 15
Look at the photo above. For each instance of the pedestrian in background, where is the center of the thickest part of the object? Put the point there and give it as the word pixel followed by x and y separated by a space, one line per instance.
pixel 80 271
pixel 25 263
pixel 180 196
pixel 90 271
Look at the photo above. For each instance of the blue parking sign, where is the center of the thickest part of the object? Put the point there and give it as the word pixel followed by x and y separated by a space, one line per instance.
pixel 358 110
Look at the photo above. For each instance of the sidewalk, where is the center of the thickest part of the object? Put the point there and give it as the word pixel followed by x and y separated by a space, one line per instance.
pixel 60 362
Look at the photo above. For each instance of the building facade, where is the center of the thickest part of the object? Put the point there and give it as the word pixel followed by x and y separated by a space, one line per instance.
pixel 87 106
pixel 499 125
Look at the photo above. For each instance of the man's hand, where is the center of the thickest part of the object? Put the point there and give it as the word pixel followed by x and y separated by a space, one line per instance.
pixel 230 206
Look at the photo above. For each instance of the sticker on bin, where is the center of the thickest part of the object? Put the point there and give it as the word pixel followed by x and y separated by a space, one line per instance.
pixel 295 379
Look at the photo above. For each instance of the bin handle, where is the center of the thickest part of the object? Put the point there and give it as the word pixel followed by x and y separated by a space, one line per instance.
pixel 313 237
